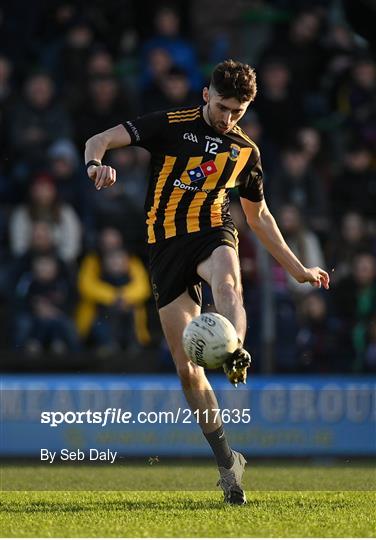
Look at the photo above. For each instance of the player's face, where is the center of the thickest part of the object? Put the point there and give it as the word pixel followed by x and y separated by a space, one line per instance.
pixel 223 114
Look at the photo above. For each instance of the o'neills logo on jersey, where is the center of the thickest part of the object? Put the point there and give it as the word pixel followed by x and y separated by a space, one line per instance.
pixel 214 139
pixel 234 152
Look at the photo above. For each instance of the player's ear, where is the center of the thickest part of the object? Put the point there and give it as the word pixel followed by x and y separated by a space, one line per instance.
pixel 205 94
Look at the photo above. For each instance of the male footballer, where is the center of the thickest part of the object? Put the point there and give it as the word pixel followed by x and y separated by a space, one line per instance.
pixel 197 155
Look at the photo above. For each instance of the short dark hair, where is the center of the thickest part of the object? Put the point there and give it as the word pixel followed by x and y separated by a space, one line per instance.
pixel 234 80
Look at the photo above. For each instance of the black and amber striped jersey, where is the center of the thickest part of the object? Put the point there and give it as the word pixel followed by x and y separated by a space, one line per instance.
pixel 193 169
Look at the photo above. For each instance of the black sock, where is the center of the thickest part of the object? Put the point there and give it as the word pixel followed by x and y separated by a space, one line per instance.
pixel 219 445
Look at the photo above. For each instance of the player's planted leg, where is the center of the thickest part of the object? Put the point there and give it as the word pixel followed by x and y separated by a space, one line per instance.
pixel 198 391
pixel 196 387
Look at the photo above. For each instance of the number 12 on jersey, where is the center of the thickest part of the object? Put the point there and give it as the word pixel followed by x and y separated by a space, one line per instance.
pixel 211 147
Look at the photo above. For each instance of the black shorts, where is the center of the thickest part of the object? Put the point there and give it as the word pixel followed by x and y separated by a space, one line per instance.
pixel 173 262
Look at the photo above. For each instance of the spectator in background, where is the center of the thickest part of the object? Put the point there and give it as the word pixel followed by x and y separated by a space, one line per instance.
pixel 339 47
pixel 250 279
pixel 7 93
pixel 310 140
pixel 7 96
pixel 253 127
pixel 298 185
pixel 172 90
pixel 131 166
pixel 351 239
pixel 102 107
pixel 287 294
pixel 44 205
pixel 6 69
pixel 70 178
pixel 114 287
pixel 67 57
pixel 277 105
pixel 318 150
pixel 115 208
pixel 356 99
pixel 354 187
pixel 319 348
pixel 100 63
pixel 54 23
pixel 370 354
pixel 36 121
pixel 300 47
pixel 167 36
pixel 158 64
pixel 365 306
pixel 355 303
pixel 44 303
pixel 18 22
pixel 5 263
pixel 41 244
pixel 114 326
pixel 247 247
pixel 303 242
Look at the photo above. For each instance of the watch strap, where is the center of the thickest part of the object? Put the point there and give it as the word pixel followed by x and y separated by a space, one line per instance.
pixel 95 162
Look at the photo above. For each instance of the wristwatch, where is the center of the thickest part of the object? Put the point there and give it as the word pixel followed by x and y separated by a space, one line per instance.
pixel 95 162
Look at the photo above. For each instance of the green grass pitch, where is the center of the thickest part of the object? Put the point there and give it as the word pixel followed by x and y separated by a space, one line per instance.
pixel 284 500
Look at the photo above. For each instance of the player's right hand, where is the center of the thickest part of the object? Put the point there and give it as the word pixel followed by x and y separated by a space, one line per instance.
pixel 102 175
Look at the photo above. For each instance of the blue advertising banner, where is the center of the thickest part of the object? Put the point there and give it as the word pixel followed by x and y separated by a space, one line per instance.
pixel 145 415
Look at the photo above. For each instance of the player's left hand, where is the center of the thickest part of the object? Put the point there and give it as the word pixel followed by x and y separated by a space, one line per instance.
pixel 316 276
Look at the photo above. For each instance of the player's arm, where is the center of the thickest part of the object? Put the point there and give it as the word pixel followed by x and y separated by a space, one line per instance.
pixel 266 229
pixel 95 149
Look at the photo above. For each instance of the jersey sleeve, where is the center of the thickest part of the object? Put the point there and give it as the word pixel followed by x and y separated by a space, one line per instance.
pixel 253 188
pixel 147 131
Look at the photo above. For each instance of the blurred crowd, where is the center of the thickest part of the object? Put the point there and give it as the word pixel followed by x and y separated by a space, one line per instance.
pixel 73 272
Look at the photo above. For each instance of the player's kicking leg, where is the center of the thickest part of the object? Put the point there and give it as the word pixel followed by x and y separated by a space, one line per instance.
pixel 200 396
pixel 222 272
